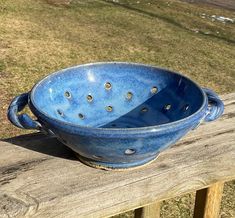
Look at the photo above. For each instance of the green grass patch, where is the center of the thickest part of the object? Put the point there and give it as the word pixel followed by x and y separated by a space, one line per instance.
pixel 2 65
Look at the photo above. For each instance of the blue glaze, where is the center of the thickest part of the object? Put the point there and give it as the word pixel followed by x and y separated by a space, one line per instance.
pixel 23 120
pixel 116 115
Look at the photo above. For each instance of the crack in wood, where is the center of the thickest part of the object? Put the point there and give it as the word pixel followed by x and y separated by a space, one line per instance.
pixel 186 142
pixel 17 204
pixel 228 115
pixel 232 103
pixel 8 173
pixel 7 180
pixel 11 206
pixel 224 132
pixel 21 167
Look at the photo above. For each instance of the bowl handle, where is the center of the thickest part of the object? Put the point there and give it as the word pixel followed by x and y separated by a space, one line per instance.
pixel 215 106
pixel 21 120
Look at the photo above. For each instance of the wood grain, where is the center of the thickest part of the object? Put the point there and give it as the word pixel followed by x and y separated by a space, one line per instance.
pixel 39 177
pixel 149 211
pixel 208 201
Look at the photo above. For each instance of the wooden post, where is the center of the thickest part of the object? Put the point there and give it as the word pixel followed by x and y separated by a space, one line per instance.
pixel 149 211
pixel 207 204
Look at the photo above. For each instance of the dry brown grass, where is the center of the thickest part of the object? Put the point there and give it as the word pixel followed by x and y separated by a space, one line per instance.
pixel 38 37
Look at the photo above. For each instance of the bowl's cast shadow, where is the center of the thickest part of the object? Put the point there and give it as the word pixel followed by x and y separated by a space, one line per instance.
pixel 44 144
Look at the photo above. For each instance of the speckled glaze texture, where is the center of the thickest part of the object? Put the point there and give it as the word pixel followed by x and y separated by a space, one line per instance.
pixel 116 115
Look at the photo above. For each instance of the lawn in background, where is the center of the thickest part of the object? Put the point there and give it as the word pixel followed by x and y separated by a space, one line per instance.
pixel 38 37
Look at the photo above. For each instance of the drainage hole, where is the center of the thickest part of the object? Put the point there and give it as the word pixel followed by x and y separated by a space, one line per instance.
pixel 109 108
pixel 154 90
pixel 60 112
pixel 130 151
pixel 186 107
pixel 81 116
pixel 167 107
pixel 67 94
pixel 129 95
pixel 89 98
pixel 107 85
pixel 144 110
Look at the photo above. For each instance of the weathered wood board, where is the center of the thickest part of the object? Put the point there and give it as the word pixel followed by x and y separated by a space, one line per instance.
pixel 39 177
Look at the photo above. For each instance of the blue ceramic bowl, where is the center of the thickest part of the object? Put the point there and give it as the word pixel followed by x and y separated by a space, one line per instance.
pixel 116 115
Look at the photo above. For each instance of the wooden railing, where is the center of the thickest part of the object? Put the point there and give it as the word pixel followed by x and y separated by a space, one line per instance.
pixel 39 177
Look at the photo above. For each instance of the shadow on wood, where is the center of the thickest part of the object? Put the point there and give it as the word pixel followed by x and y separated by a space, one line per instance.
pixel 43 144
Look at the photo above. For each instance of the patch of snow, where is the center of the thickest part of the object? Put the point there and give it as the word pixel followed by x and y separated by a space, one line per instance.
pixel 226 19
pixel 222 19
pixel 217 18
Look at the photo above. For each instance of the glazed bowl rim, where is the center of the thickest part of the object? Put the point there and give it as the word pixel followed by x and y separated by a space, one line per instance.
pixel 117 130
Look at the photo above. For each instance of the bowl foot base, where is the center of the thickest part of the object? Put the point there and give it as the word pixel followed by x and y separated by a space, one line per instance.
pixel 116 166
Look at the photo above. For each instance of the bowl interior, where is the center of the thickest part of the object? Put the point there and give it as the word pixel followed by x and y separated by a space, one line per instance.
pixel 116 95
